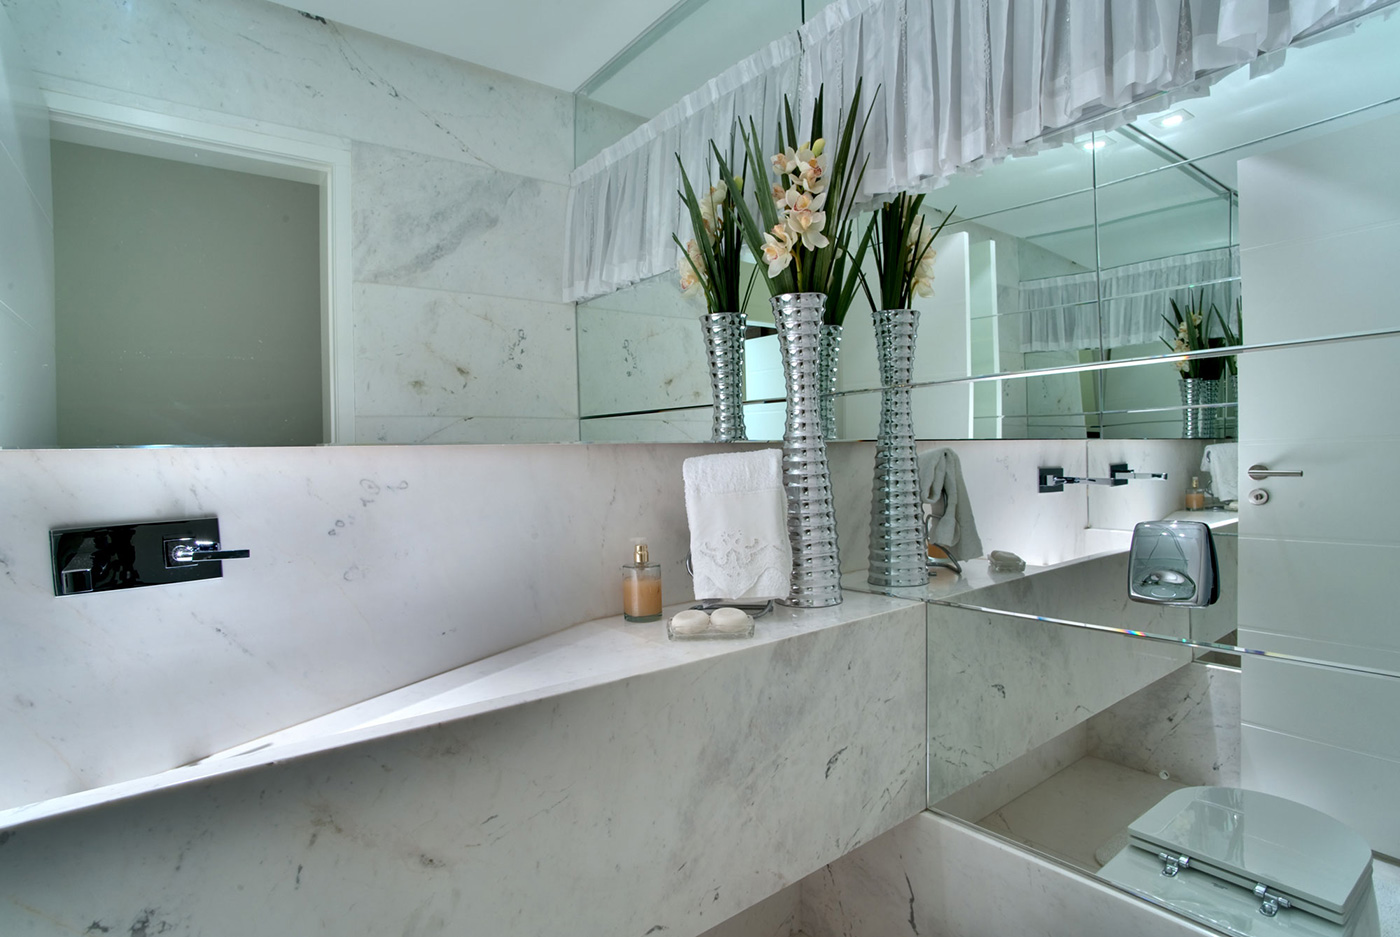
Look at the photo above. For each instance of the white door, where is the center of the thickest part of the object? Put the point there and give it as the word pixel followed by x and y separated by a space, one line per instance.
pixel 1319 565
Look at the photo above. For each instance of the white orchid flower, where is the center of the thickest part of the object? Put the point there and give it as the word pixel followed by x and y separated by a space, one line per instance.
pixel 795 200
pixel 806 225
pixel 779 196
pixel 785 162
pixel 811 171
pixel 692 268
pixel 777 250
pixel 707 214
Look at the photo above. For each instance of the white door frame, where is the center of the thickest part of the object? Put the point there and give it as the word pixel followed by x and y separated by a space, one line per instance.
pixel 282 153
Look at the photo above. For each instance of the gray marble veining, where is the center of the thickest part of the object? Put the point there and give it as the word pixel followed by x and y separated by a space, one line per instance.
pixel 430 222
pixel 443 354
pixel 662 802
pixel 267 62
pixel 639 362
pixel 1001 686
pixel 934 876
pixel 1186 724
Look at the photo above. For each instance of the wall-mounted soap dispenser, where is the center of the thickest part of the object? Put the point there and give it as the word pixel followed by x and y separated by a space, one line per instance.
pixel 1173 563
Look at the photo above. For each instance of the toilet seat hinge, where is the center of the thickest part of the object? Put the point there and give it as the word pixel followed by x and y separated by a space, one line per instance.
pixel 1272 901
pixel 1171 865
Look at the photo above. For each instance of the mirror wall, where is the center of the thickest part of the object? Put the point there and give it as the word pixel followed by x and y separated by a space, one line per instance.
pixel 1065 259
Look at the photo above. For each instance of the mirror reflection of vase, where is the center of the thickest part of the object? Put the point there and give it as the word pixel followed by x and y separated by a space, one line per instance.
pixel 1199 415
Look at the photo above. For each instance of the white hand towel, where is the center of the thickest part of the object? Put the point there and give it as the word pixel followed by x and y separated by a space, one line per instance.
pixel 1222 461
pixel 738 525
pixel 946 505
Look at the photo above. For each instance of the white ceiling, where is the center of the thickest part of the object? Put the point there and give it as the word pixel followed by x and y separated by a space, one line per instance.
pixel 559 43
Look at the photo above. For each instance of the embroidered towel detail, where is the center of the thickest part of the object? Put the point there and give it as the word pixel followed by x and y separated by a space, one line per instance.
pixel 738 525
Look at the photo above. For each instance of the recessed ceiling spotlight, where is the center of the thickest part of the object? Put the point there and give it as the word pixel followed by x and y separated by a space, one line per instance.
pixel 1173 119
pixel 1097 143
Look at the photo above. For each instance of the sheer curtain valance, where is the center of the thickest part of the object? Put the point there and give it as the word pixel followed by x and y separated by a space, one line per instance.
pixel 1060 313
pixel 961 81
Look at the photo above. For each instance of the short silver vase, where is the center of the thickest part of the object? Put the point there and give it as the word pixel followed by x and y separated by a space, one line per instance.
pixel 898 555
pixel 811 514
pixel 828 360
pixel 1199 416
pixel 724 348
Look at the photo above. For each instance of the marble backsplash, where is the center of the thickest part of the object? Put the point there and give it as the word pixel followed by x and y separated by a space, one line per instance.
pixel 458 186
pixel 372 567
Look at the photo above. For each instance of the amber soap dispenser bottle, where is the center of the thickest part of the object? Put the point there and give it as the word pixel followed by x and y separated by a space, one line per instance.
pixel 641 585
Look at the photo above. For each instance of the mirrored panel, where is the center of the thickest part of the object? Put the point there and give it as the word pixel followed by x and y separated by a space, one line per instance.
pixel 1075 255
pixel 1087 742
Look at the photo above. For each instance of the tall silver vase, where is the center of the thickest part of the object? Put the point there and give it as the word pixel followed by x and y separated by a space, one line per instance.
pixel 724 347
pixel 1198 419
pixel 898 555
pixel 828 358
pixel 1230 393
pixel 816 564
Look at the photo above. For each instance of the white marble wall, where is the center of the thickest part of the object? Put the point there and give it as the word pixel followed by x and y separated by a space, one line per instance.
pixel 371 568
pixel 641 348
pixel 1142 498
pixel 459 181
pixel 935 877
pixel 1000 686
pixel 1186 724
pixel 28 397
pixel 662 803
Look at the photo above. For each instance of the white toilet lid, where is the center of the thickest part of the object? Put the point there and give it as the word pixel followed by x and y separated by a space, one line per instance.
pixel 1249 837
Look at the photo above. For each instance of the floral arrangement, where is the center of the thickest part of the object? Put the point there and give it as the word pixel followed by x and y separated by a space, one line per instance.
pixel 710 262
pixel 1191 325
pixel 904 254
pixel 802 232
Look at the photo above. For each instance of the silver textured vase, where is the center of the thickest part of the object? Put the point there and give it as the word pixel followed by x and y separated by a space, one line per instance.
pixel 724 347
pixel 1199 417
pixel 898 555
pixel 811 515
pixel 828 358
pixel 1230 393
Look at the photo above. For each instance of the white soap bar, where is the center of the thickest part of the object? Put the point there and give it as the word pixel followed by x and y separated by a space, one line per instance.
pixel 730 620
pixel 690 621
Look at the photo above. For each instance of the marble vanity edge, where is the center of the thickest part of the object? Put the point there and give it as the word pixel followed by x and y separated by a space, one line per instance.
pixel 365 728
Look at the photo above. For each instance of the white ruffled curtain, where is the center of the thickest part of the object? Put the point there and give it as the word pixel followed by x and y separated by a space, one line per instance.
pixel 1059 313
pixel 960 81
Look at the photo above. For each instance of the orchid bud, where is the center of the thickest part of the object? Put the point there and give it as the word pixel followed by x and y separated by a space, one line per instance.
pixel 819 146
pixel 738 183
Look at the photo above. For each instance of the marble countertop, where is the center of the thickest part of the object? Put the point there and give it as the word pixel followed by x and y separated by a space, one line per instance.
pixel 590 654
pixel 943 583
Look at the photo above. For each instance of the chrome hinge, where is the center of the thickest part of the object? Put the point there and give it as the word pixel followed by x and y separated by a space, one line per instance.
pixel 1272 901
pixel 1173 864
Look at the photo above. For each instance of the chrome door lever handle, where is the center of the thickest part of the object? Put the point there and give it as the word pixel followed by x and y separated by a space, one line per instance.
pixel 1261 472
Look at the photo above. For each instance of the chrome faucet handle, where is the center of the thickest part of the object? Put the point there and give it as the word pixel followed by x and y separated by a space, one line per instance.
pixel 183 551
pixel 1121 472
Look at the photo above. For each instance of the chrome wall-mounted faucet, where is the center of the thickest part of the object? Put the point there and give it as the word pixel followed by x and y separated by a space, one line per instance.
pixel 128 556
pixel 1053 479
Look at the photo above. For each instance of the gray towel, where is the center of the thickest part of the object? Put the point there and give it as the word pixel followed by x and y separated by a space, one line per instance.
pixel 946 505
